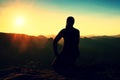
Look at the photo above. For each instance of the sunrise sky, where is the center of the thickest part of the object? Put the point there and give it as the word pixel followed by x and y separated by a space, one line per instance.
pixel 48 17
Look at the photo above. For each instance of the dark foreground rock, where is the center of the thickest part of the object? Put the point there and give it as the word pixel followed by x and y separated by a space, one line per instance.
pixel 86 73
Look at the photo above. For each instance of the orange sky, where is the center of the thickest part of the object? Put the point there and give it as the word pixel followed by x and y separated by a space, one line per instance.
pixel 32 19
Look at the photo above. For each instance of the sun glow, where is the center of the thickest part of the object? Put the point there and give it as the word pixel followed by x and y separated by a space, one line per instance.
pixel 30 18
pixel 19 21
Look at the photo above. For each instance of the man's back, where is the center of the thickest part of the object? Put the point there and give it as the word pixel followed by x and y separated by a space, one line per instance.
pixel 71 38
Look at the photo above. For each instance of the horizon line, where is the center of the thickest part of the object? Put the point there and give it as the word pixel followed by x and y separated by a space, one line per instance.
pixel 53 35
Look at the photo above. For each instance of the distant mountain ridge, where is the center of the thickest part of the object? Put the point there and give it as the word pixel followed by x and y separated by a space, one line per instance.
pixel 19 34
pixel 52 36
pixel 23 39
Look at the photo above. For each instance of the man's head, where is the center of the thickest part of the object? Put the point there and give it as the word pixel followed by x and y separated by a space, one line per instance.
pixel 70 21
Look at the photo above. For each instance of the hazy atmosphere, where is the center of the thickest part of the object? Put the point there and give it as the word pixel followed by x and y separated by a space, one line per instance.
pixel 59 39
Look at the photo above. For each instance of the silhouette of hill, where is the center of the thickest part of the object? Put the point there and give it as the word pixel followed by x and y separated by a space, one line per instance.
pixel 17 48
pixel 97 54
pixel 117 35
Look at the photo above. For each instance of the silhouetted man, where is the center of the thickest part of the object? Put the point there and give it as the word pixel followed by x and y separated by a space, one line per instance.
pixel 70 50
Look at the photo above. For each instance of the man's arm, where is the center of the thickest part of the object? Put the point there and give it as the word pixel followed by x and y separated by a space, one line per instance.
pixel 55 42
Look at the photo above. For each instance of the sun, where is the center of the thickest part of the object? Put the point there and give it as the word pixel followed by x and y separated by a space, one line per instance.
pixel 19 21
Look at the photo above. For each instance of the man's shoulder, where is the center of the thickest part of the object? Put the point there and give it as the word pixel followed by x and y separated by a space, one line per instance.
pixel 63 29
pixel 76 30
